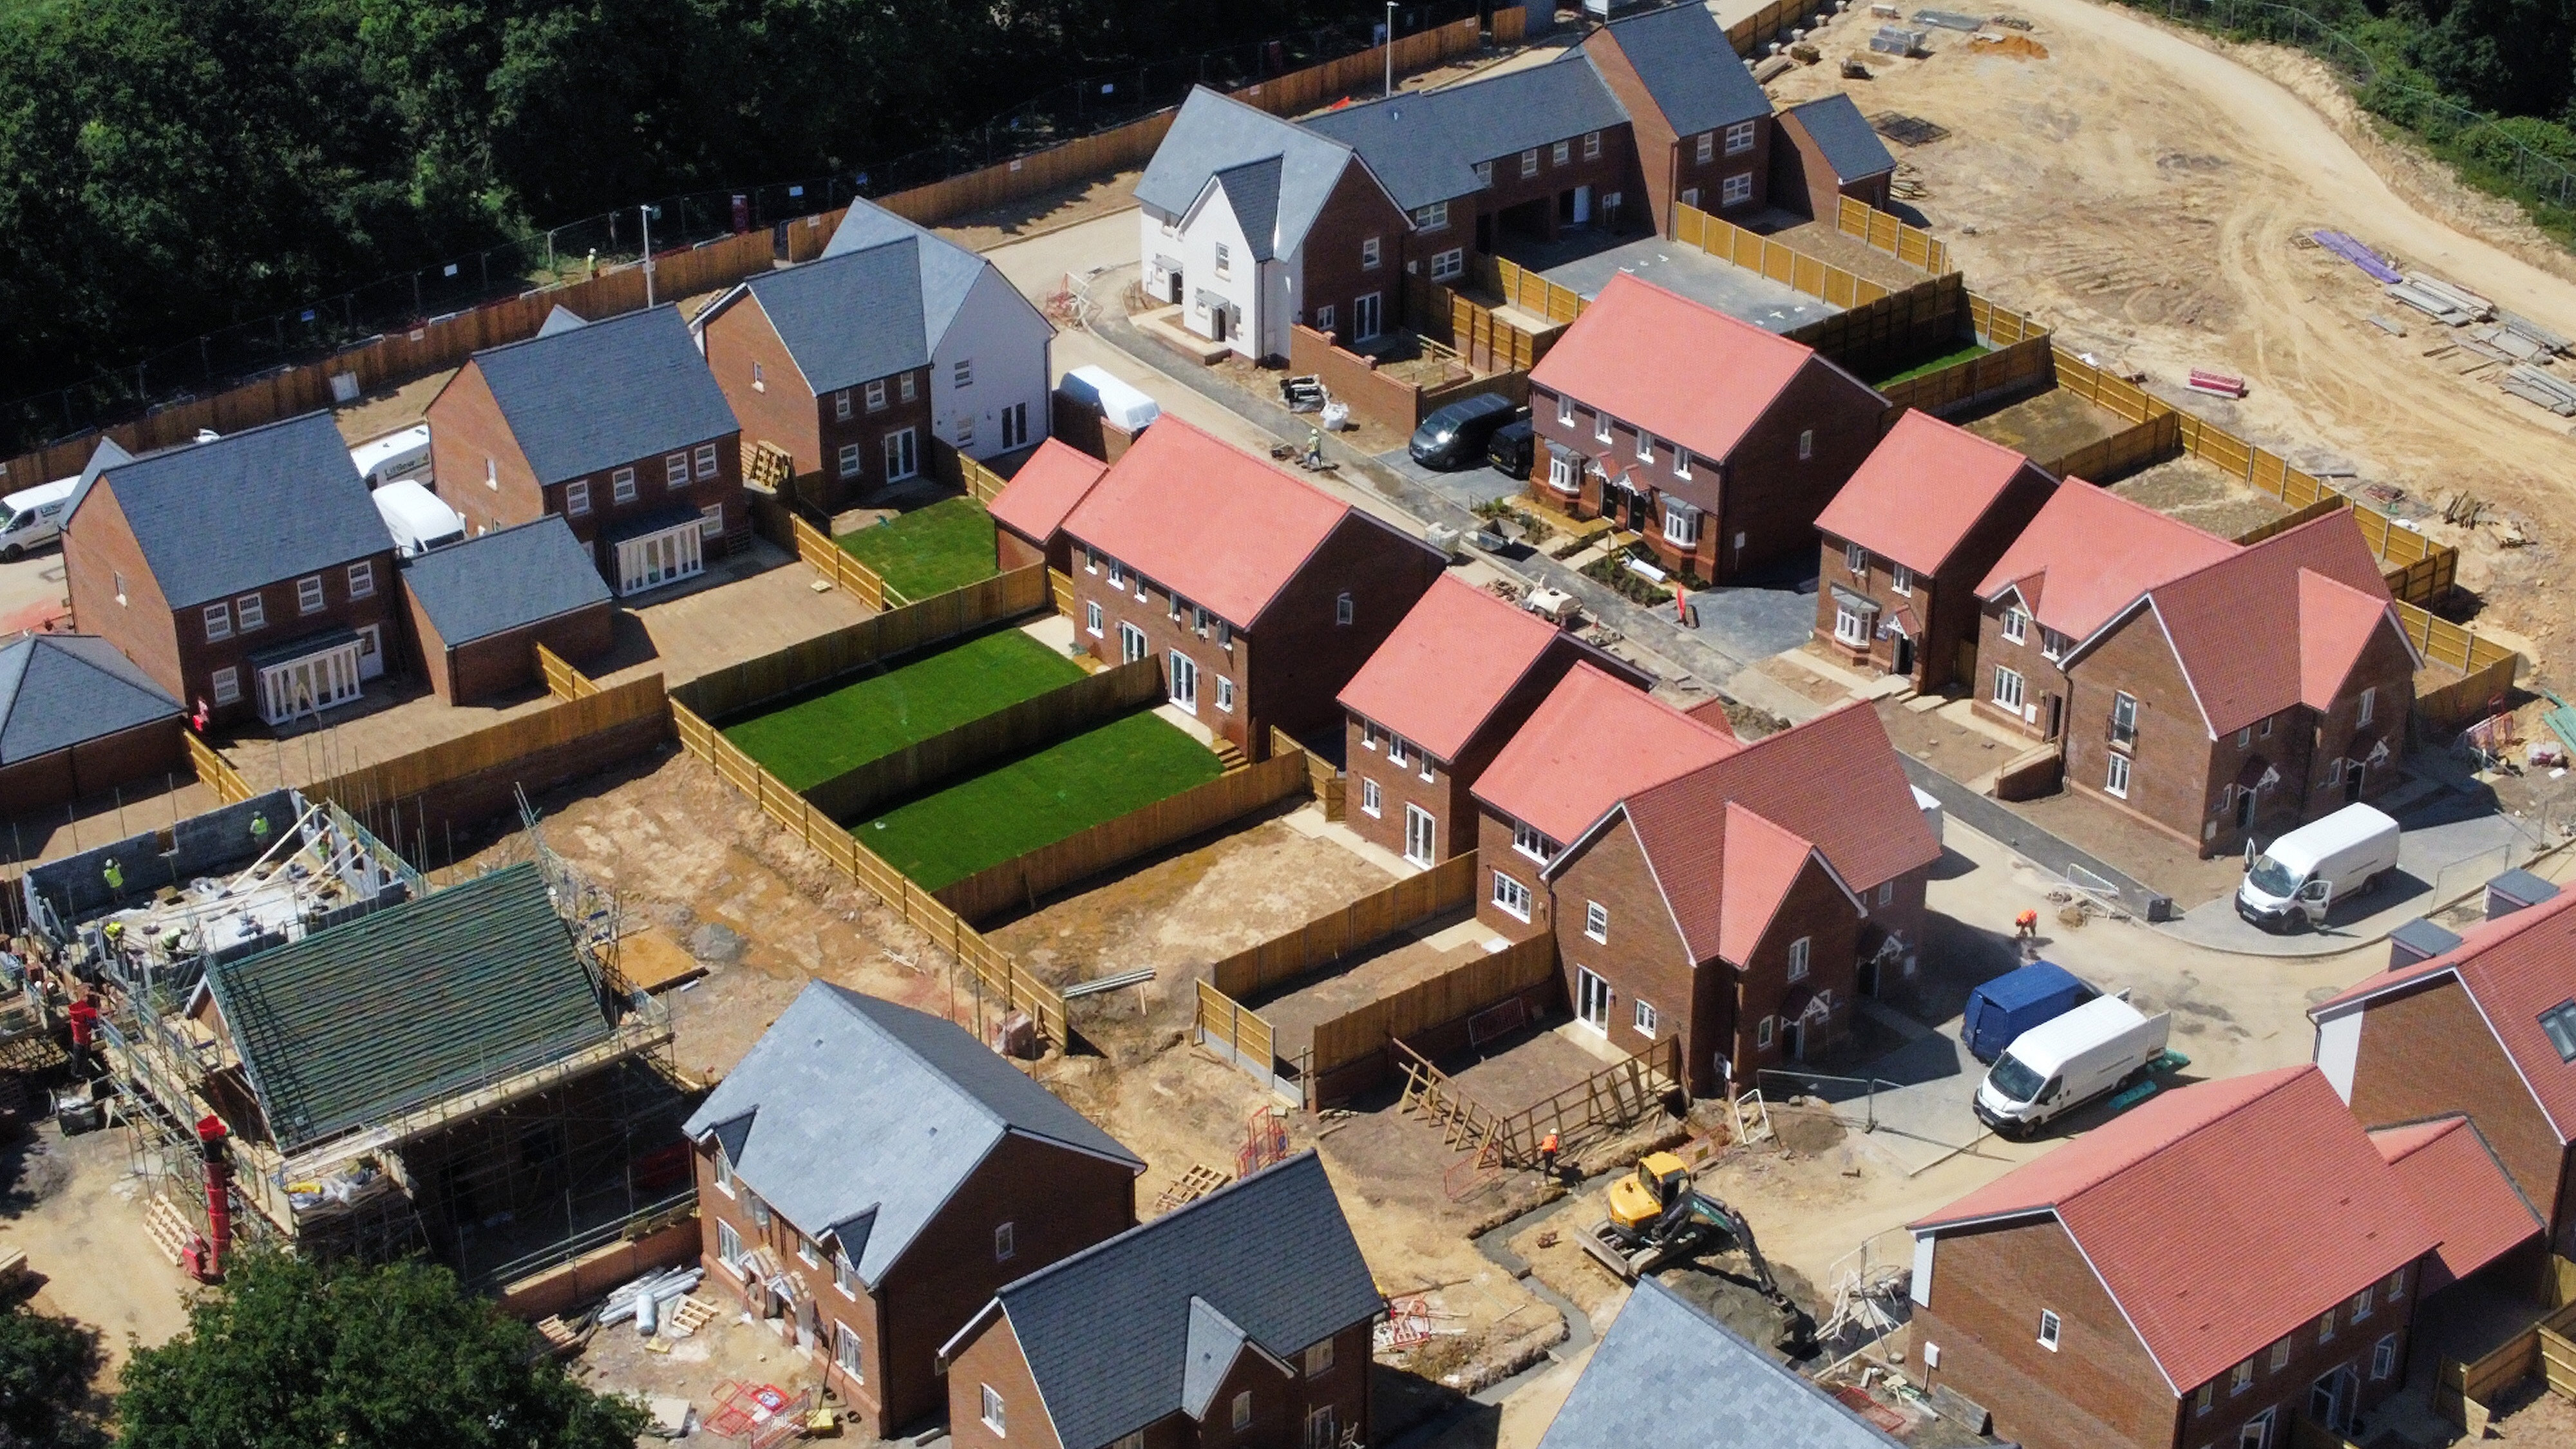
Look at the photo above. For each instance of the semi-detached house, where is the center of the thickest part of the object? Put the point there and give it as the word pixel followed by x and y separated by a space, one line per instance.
pixel 1434 705
pixel 616 426
pixel 869 1176
pixel 852 363
pixel 250 574
pixel 1701 126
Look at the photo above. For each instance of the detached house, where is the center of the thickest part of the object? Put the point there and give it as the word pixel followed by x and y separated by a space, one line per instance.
pixel 1253 224
pixel 2205 1270
pixel 1262 594
pixel 1593 740
pixel 1242 1318
pixel 2255 693
pixel 869 1176
pixel 1742 907
pixel 2488 1029
pixel 250 573
pixel 1827 151
pixel 615 426
pixel 1721 454
pixel 2087 555
pixel 852 363
pixel 1434 705
pixel 1702 125
pixel 1908 540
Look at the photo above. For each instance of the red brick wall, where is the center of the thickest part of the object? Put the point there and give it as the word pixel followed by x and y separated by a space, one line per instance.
pixel 861 1310
pixel 778 408
pixel 2041 679
pixel 98 549
pixel 1443 797
pixel 1802 177
pixel 1817 910
pixel 151 753
pixel 2169 782
pixel 1301 657
pixel 1152 614
pixel 869 430
pixel 1708 177
pixel 1495 851
pixel 993 1357
pixel 1772 495
pixel 1944 603
pixel 507 661
pixel 1642 959
pixel 1015 552
pixel 467 432
pixel 2428 1052
pixel 1333 274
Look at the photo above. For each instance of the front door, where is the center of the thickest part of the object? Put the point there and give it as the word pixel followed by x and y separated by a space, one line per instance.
pixel 1418 832
pixel 371 651
pixel 1015 426
pixel 1185 682
pixel 2331 1399
pixel 1793 1044
pixel 2056 714
pixel 2244 809
pixel 2352 783
pixel 1592 1000
pixel 1582 205
pixel 1904 656
pixel 1364 316
pixel 1177 294
pixel 1131 643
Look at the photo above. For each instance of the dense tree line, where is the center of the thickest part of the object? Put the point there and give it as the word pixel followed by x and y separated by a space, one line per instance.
pixel 168 167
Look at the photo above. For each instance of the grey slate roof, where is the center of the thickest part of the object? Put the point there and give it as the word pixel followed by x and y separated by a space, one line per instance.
pixel 500 581
pixel 595 397
pixel 1665 1364
pixel 1113 1334
pixel 1214 1343
pixel 1844 135
pixel 1214 133
pixel 1252 190
pixel 857 1117
pixel 58 690
pixel 851 318
pixel 388 1012
pixel 948 271
pixel 268 503
pixel 1424 145
pixel 1689 67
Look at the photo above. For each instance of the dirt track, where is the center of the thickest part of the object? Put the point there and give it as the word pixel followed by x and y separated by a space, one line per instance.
pixel 2146 197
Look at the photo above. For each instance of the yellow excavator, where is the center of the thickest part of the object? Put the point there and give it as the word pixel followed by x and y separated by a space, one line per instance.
pixel 1659 1216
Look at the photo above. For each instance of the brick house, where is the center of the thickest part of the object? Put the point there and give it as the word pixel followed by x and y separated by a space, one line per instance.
pixel 854 362
pixel 250 573
pixel 1664 1361
pixel 2488 1029
pixel 1253 224
pixel 1743 907
pixel 869 1176
pixel 1907 541
pixel 1240 1319
pixel 1262 594
pixel 480 608
pixel 1701 125
pixel 76 718
pixel 1434 705
pixel 1827 150
pixel 1594 740
pixel 1029 512
pixel 2258 692
pixel 2087 555
pixel 616 426
pixel 1721 454
pixel 2206 1269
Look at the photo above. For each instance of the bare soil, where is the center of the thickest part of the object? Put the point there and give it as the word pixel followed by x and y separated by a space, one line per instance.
pixel 2203 495
pixel 1827 243
pixel 2047 425
pixel 728 1350
pixel 75 1209
pixel 1050 211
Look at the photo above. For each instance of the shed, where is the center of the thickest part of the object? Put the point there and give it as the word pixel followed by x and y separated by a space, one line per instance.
pixel 482 607
pixel 77 717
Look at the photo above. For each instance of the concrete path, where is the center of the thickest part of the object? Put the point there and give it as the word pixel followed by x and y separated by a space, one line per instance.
pixel 2042 849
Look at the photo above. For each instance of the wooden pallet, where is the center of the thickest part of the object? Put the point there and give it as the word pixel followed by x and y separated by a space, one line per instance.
pixel 169 1227
pixel 1190 1186
pixel 557 1335
pixel 688 1314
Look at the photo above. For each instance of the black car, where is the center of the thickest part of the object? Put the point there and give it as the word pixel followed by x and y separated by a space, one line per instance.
pixel 1510 451
pixel 1455 436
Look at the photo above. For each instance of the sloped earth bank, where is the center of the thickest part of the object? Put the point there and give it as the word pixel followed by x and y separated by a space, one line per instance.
pixel 2146 193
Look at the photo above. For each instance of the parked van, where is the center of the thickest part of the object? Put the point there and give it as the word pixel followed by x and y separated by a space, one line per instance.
pixel 33 517
pixel 403 453
pixel 1999 1011
pixel 1119 404
pixel 416 519
pixel 2058 1066
pixel 2306 871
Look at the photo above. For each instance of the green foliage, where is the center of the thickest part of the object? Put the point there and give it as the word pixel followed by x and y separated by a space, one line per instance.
pixel 837 729
pixel 288 1355
pixel 929 550
pixel 45 1369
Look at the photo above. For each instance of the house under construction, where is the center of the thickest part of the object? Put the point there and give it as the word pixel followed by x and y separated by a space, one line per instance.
pixel 309 1044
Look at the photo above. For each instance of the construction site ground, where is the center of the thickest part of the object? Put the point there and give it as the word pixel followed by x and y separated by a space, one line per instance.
pixel 2147 192
pixel 2043 425
pixel 2200 493
pixel 75 1208
pixel 1376 971
pixel 729 1349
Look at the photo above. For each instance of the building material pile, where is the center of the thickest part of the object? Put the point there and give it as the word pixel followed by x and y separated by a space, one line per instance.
pixel 2377 268
pixel 1949 20
pixel 2533 385
pixel 1897 40
pixel 2444 303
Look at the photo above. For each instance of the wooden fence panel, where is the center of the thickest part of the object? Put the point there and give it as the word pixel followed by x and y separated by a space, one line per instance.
pixel 216 772
pixel 2331 503
pixel 839 569
pixel 735 688
pixel 1908 244
pixel 1325 939
pixel 1086 853
pixel 562 680
pixel 1243 1034
pixel 1451 996
pixel 2120 454
pixel 493 747
pixel 2023 364
pixel 1030 724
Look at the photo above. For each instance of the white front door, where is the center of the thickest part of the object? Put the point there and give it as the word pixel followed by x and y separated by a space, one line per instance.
pixel 1131 643
pixel 1185 682
pixel 371 651
pixel 1418 830
pixel 1582 205
pixel 1592 1000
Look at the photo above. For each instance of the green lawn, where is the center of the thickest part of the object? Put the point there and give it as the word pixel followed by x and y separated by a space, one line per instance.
pixel 1947 359
pixel 929 550
pixel 1038 799
pixel 826 735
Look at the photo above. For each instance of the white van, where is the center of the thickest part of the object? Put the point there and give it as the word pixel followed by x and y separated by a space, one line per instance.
pixel 33 517
pixel 2306 871
pixel 2067 1061
pixel 403 453
pixel 416 519
pixel 1120 404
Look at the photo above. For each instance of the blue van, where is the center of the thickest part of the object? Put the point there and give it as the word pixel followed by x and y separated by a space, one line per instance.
pixel 2016 1001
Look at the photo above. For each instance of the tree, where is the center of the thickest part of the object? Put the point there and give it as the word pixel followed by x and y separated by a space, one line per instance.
pixel 288 1354
pixel 45 1369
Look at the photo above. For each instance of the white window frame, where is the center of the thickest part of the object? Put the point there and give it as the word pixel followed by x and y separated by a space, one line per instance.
pixel 1706 147
pixel 1600 427
pixel 1372 801
pixel 1224 694
pixel 963 374
pixel 577 498
pixel 2369 703
pixel 1645 446
pixel 845 1275
pixel 1448 264
pixel 1241 1413
pixel 362 579
pixel 876 395
pixel 1344 611
pixel 1799 952
pixel 1398 753
pixel 1563 473
pixel 675 472
pixel 1564 410
pixel 846 1351
pixel 1901 579
pixel 2383 1358
pixel 2280 1355
pixel 1091 617
pixel 1324 318
pixel 1530 842
pixel 995 1412
pixel 1856 560
pixel 724 1173
pixel 1224 260
pixel 250 613
pixel 807 1253
pixel 1641 1015
pixel 2326 1327
pixel 1806 445
pixel 2050 1329
pixel 1006 1245
pixel 841 406
pixel 1739 137
pixel 228 685
pixel 1529 162
pixel 2257 1431
pixel 911 453
pixel 1596 921
pixel 1851 626
pixel 1372 252
pixel 1434 217
pixel 2052 646
pixel 1511 897
pixel 309 597
pixel 905 389
pixel 2363 1302
pixel 1681 523
pixel 1681 461
pixel 2116 776
pixel 2124 715
pixel 1735 190
pixel 850 460
pixel 1762 1031
pixel 219 622
pixel 707 458
pixel 1561 153
pixel 621 486
pixel 2010 689
pixel 1484 175
pixel 1591 145
pixel 2397 1285
pixel 711 522
pixel 759 379
pixel 728 1246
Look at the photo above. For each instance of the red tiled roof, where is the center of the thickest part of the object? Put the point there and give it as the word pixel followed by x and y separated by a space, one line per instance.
pixel 1206 520
pixel 2096 552
pixel 2513 969
pixel 2241 628
pixel 2462 1191
pixel 2221 1216
pixel 1705 377
pixel 1921 490
pixel 1833 781
pixel 1712 713
pixel 1762 861
pixel 1446 667
pixel 1593 740
pixel 1048 485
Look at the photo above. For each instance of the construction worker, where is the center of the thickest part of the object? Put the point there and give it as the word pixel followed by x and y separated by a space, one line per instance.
pixel 1314 448
pixel 1547 1157
pixel 84 1023
pixel 259 831
pixel 114 874
pixel 2026 930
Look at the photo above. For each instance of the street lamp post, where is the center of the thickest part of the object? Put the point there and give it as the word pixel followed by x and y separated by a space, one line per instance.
pixel 1390 47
